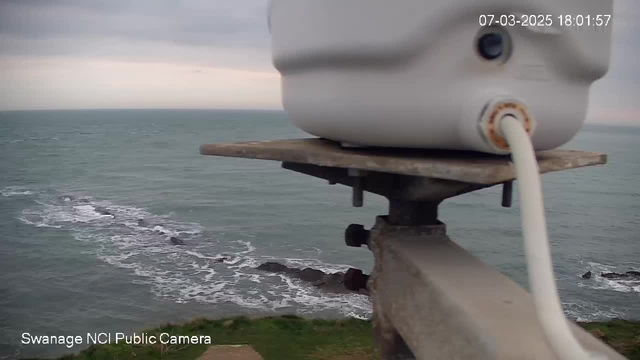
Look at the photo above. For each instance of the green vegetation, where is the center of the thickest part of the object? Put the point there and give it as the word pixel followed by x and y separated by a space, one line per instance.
pixel 275 338
pixel 622 335
pixel 292 338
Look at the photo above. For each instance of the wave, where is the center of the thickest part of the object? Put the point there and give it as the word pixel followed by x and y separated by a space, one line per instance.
pixel 215 267
pixel 209 268
pixel 583 311
pixel 15 191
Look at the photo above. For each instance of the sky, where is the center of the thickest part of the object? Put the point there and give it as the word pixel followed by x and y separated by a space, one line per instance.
pixel 97 54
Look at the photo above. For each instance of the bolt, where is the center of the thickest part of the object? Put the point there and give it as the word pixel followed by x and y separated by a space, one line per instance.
pixel 507 193
pixel 356 235
pixel 357 197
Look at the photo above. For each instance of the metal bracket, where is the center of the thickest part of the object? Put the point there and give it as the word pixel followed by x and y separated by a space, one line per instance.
pixel 432 299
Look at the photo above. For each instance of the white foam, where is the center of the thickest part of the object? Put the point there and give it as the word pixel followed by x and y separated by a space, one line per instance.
pixel 189 273
pixel 597 282
pixel 15 191
pixel 316 264
pixel 200 256
pixel 38 224
pixel 247 244
pixel 624 286
pixel 584 311
pixel 160 229
pixel 357 316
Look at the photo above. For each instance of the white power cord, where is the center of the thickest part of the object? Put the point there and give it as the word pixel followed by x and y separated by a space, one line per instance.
pixel 534 228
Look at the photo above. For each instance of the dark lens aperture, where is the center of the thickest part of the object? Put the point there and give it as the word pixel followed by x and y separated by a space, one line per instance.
pixel 491 46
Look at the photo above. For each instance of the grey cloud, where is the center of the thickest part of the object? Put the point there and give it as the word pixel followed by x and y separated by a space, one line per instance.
pixel 188 22
pixel 195 31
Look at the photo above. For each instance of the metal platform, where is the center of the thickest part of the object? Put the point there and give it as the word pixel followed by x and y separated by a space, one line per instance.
pixel 468 167
pixel 432 299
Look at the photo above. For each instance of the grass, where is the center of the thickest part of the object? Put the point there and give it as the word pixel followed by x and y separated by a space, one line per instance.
pixel 292 338
pixel 275 338
pixel 622 335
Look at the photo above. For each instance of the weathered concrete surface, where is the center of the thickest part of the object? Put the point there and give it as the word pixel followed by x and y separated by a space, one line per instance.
pixel 230 352
pixel 444 303
pixel 468 167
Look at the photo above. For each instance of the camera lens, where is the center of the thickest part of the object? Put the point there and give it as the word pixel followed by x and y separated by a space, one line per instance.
pixel 491 46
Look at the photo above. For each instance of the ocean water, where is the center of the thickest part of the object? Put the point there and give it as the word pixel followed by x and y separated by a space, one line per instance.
pixel 65 269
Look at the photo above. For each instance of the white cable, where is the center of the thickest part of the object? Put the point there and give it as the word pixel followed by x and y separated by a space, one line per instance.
pixel 534 228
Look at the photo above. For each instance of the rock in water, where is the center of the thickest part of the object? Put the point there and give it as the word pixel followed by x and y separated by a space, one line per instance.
pixel 221 259
pixel 275 267
pixel 610 275
pixel 143 223
pixel 310 275
pixel 176 241
pixel 617 276
pixel 333 283
pixel 355 280
pixel 587 275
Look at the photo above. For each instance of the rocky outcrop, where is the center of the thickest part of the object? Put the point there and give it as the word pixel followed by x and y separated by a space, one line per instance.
pixel 311 275
pixel 629 275
pixel 176 241
pixel 329 282
pixel 274 267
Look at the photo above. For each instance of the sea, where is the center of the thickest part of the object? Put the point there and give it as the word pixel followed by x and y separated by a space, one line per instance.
pixel 67 269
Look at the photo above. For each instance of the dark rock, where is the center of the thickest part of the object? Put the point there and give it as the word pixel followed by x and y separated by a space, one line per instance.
pixel 618 276
pixel 143 223
pixel 310 275
pixel 333 283
pixel 176 241
pixel 587 275
pixel 221 259
pixel 275 267
pixel 610 275
pixel 355 280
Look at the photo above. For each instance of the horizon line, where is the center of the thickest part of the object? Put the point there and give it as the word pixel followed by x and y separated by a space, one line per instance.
pixel 235 109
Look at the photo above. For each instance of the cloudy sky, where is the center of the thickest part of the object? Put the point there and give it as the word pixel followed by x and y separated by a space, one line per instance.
pixel 70 54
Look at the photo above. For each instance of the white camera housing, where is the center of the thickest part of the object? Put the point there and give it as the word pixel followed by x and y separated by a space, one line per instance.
pixel 410 73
